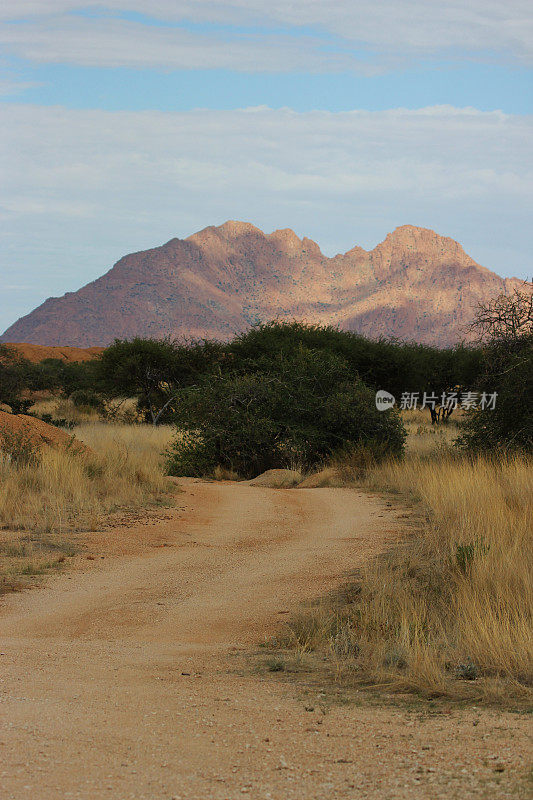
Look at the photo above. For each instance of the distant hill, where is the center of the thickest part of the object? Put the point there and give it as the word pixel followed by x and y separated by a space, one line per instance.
pixel 415 285
pixel 37 352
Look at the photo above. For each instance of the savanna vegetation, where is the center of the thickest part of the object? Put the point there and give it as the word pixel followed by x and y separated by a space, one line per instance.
pixel 447 612
pixel 289 410
pixel 505 330
pixel 55 489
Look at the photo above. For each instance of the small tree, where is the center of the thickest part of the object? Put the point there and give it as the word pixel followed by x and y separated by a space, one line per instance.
pixel 141 368
pixel 505 327
pixel 506 319
pixel 154 371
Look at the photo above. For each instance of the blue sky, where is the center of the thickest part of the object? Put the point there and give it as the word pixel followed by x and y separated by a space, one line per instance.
pixel 341 120
pixel 484 86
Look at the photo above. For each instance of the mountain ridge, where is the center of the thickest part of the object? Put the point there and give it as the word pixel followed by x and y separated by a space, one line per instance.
pixel 415 285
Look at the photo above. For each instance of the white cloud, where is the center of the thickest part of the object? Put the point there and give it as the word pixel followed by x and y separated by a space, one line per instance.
pixel 115 43
pixel 82 188
pixel 395 29
pixel 9 86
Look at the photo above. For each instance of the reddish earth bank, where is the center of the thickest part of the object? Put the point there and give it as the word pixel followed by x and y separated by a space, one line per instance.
pixel 38 352
pixel 36 432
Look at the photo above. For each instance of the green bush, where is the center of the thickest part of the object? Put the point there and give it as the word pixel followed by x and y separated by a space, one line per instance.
pixel 509 372
pixel 382 364
pixel 15 376
pixel 291 411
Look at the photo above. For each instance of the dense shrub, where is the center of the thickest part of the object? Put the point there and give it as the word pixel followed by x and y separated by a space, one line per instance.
pixel 291 410
pixel 54 374
pixel 19 377
pixel 382 364
pixel 15 377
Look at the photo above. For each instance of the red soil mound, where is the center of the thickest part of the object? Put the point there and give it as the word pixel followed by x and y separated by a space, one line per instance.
pixel 39 432
pixel 38 352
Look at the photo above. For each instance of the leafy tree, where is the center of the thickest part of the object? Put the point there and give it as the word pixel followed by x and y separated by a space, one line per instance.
pixel 54 374
pixel 142 368
pixel 154 371
pixel 298 408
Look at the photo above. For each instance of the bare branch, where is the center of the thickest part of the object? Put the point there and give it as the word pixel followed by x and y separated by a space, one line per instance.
pixel 506 317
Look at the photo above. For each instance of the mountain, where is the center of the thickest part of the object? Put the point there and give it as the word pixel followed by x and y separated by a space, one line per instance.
pixel 415 285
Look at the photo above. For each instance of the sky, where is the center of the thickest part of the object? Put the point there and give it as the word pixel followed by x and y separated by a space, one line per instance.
pixel 127 123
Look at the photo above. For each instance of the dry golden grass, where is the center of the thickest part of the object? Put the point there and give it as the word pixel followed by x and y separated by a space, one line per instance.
pixel 449 612
pixel 425 439
pixel 60 492
pixel 224 474
pixel 144 441
pixel 120 410
pixel 61 408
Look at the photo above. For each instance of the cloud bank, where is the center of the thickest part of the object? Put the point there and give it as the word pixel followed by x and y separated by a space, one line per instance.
pixel 254 35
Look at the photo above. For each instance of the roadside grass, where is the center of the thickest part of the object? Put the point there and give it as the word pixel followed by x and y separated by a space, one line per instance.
pixel 449 612
pixel 43 500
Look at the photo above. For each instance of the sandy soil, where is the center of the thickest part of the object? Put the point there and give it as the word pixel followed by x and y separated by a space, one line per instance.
pixel 132 678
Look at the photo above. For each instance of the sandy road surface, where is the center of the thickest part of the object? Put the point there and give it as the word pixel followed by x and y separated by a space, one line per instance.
pixel 127 680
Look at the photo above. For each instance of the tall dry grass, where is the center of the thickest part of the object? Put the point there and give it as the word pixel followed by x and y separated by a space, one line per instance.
pixel 425 439
pixel 60 491
pixel 450 611
pixel 119 410
pixel 45 496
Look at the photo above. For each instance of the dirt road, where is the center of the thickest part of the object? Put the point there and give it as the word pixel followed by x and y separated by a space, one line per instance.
pixel 131 679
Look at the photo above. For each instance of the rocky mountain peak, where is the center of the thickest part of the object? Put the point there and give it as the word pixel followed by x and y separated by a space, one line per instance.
pixel 414 285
